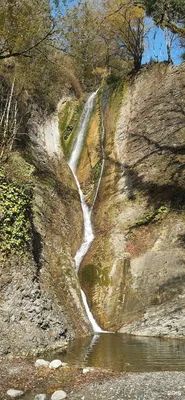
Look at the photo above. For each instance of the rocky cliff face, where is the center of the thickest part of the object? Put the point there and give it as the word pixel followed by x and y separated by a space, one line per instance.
pixel 134 272
pixel 41 303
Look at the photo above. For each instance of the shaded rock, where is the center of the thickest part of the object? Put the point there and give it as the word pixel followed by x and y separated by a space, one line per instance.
pixel 59 395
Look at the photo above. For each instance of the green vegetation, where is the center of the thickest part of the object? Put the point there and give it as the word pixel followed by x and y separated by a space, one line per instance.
pixel 153 216
pixel 39 66
pixel 97 171
pixel 170 14
pixel 69 119
pixel 15 216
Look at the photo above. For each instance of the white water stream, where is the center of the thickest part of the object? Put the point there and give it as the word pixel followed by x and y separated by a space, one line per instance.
pixel 88 230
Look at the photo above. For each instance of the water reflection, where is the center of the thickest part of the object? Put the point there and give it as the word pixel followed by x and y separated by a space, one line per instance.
pixel 126 353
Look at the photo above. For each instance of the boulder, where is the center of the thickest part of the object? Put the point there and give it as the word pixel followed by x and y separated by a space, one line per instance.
pixel 15 394
pixel 40 397
pixel 55 364
pixel 41 363
pixel 59 395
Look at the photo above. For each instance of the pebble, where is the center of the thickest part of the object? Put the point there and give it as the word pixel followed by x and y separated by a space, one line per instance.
pixel 55 364
pixel 40 397
pixel 14 393
pixel 59 395
pixel 41 363
pixel 88 369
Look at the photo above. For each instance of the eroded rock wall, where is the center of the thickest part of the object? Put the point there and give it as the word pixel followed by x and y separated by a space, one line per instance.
pixel 41 303
pixel 134 272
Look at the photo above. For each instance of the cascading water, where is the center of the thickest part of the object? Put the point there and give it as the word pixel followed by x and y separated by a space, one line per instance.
pixel 88 230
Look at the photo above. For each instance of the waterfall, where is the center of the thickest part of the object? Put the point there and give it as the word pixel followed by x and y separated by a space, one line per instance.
pixel 88 230
pixel 81 131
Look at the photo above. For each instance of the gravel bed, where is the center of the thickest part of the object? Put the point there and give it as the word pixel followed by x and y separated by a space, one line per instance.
pixel 143 386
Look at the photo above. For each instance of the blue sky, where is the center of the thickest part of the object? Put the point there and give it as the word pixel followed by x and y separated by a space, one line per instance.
pixel 155 49
pixel 156 46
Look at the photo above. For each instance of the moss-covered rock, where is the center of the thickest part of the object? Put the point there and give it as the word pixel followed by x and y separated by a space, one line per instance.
pixel 70 113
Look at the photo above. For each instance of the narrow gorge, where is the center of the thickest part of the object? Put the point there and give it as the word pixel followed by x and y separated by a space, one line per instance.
pixel 125 181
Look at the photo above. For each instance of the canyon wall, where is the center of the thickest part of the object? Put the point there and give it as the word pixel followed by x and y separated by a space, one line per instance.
pixel 133 274
pixel 41 305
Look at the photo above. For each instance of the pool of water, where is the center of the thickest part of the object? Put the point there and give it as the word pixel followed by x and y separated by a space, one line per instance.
pixel 125 353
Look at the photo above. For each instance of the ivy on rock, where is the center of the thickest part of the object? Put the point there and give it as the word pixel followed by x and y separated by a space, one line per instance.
pixel 15 217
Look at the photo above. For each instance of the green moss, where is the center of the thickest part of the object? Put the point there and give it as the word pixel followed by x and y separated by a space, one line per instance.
pixel 116 98
pixel 92 275
pixel 69 119
pixel 96 171
pixel 154 216
pixel 17 169
pixel 15 211
pixel 64 116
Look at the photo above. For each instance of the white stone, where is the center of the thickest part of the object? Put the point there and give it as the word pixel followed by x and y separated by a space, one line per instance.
pixel 14 393
pixel 88 369
pixel 41 363
pixel 55 364
pixel 59 395
pixel 40 397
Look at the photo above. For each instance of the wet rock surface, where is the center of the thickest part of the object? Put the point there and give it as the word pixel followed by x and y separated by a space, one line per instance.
pixel 133 274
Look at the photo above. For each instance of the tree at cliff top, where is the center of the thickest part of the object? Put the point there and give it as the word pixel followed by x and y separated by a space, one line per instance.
pixel 126 22
pixel 81 29
pixel 100 39
pixel 167 13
